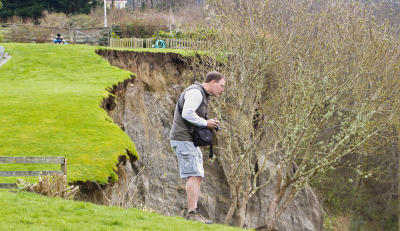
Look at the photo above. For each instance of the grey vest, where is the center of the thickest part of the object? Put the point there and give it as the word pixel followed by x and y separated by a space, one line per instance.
pixel 181 129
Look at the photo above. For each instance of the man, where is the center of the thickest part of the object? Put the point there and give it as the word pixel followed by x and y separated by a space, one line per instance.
pixel 59 39
pixel 191 110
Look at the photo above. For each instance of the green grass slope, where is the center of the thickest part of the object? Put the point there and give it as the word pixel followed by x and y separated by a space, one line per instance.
pixel 28 211
pixel 50 97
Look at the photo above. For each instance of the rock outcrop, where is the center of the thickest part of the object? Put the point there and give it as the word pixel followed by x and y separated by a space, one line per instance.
pixel 4 56
pixel 143 108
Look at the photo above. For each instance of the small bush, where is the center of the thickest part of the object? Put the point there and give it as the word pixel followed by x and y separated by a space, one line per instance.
pixel 29 33
pixel 61 20
pixel 19 20
pixel 336 223
pixel 201 34
pixel 137 30
pixel 81 21
pixel 54 20
pixel 50 185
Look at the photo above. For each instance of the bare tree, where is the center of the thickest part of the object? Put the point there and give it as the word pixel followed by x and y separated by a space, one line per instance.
pixel 308 83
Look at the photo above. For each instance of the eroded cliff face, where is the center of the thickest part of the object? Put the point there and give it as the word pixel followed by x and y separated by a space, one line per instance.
pixel 143 107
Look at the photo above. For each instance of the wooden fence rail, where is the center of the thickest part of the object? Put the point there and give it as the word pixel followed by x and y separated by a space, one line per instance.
pixel 31 160
pixel 36 33
pixel 170 43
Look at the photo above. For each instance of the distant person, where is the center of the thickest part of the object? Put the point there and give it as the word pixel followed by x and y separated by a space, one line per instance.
pixel 191 110
pixel 59 39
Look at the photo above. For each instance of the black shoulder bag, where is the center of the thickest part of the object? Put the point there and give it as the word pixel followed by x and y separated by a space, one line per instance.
pixel 202 136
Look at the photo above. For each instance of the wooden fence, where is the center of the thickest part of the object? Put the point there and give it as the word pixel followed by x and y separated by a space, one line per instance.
pixel 35 33
pixel 170 43
pixel 130 43
pixel 31 160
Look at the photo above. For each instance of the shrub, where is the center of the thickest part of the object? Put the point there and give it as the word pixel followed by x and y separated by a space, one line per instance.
pixel 54 20
pixel 81 21
pixel 29 33
pixel 137 30
pixel 201 34
pixel 61 20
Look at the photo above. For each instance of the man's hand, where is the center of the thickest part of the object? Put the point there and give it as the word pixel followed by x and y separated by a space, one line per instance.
pixel 212 123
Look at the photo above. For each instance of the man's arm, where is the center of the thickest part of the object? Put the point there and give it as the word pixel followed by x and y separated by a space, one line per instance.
pixel 193 99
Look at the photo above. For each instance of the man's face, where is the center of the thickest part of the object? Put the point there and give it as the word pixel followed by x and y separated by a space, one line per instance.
pixel 217 87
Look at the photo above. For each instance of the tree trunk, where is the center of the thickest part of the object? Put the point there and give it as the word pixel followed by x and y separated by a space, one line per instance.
pixel 271 215
pixel 232 207
pixel 241 212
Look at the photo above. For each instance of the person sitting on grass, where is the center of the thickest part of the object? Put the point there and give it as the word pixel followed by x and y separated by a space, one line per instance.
pixel 59 39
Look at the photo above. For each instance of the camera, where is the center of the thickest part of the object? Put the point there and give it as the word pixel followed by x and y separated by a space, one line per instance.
pixel 217 128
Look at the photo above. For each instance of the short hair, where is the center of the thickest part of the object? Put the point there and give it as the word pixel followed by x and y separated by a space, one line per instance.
pixel 214 75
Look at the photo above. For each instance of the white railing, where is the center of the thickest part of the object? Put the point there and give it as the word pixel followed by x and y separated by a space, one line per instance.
pixel 170 43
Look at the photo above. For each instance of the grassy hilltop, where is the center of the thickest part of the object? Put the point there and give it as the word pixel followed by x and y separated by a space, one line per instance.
pixel 50 97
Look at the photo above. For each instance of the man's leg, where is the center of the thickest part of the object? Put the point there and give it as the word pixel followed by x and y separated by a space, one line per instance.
pixel 192 192
pixel 199 179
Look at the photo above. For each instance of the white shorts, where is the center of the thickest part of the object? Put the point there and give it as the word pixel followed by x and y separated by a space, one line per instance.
pixel 190 158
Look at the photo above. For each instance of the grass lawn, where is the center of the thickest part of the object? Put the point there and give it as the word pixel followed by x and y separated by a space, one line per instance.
pixel 50 97
pixel 29 211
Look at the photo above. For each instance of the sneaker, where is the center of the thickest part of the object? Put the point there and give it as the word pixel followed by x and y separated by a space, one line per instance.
pixel 193 216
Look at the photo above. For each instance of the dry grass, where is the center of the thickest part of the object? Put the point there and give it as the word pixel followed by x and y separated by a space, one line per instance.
pixel 341 223
pixel 50 185
pixel 54 20
pixel 124 193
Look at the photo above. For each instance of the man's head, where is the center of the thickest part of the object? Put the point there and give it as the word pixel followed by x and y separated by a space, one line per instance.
pixel 214 83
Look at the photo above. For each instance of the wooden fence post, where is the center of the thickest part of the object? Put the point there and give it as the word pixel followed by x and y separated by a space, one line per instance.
pixel 64 166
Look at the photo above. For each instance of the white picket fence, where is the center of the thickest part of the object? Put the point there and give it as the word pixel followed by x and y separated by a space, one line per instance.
pixel 170 43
